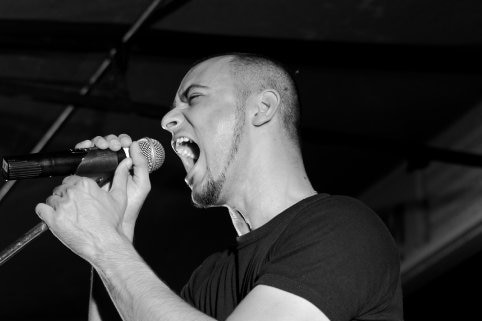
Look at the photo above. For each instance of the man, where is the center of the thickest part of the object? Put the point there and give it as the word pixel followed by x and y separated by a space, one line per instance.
pixel 299 255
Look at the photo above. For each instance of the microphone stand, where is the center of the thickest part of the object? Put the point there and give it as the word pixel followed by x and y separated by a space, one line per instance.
pixel 22 241
pixel 36 231
pixel 33 233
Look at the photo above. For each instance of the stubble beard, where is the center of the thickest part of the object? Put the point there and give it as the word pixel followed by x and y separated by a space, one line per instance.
pixel 211 191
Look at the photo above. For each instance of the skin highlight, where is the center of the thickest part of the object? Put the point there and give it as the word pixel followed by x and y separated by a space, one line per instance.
pixel 210 196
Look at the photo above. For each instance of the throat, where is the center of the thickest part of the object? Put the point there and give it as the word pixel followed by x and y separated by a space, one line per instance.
pixel 240 222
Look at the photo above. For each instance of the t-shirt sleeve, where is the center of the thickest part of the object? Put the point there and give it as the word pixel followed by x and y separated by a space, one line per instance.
pixel 198 277
pixel 338 255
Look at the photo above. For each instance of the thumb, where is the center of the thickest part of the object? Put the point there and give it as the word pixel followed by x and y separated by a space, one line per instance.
pixel 141 166
pixel 45 212
pixel 119 183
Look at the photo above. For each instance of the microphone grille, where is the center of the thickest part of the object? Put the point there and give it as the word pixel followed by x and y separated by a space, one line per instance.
pixel 153 152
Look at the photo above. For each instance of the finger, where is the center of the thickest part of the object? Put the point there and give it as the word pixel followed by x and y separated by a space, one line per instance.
pixel 45 212
pixel 59 190
pixel 53 201
pixel 71 180
pixel 119 183
pixel 125 140
pixel 114 142
pixel 100 142
pixel 140 164
pixel 84 144
pixel 106 186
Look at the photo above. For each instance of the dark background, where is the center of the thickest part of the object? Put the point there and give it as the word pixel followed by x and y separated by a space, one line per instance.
pixel 374 77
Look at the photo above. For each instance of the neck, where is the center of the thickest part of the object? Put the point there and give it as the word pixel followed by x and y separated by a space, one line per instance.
pixel 266 185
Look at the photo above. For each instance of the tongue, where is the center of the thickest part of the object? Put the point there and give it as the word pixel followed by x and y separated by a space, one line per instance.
pixel 192 149
pixel 185 150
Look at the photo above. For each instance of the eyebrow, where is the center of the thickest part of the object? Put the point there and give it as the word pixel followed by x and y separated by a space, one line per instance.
pixel 185 93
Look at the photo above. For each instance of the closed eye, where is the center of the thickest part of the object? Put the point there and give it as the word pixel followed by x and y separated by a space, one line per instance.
pixel 193 97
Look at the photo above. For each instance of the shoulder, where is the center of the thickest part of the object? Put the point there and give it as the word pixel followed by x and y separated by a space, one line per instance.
pixel 326 214
pixel 342 233
pixel 341 204
pixel 336 240
pixel 201 275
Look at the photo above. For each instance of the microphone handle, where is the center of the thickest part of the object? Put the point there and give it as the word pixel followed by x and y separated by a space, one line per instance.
pixel 83 162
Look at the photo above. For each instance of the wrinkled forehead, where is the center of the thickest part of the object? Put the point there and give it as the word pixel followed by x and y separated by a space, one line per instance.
pixel 212 73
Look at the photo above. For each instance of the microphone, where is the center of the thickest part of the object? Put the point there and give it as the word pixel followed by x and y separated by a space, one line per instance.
pixel 99 164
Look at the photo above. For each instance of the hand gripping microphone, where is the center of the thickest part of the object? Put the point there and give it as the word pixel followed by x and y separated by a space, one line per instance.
pixel 91 162
pixel 99 164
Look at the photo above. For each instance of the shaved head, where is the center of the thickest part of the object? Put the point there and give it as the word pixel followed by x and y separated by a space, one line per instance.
pixel 254 74
pixel 215 101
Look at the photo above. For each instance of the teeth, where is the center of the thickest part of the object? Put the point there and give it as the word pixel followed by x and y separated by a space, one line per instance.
pixel 182 140
pixel 183 151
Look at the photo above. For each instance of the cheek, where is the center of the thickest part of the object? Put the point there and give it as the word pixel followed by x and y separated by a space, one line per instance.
pixel 218 140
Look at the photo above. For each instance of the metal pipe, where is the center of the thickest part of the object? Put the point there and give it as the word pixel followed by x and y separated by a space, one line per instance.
pixel 61 119
pixel 15 247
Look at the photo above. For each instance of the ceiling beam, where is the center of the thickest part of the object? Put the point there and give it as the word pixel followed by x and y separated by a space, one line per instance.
pixel 417 155
pixel 54 37
pixel 71 96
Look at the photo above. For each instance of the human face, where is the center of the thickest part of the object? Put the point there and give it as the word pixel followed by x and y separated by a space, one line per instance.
pixel 206 123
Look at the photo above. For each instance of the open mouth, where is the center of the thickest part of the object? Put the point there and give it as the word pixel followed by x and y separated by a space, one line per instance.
pixel 187 149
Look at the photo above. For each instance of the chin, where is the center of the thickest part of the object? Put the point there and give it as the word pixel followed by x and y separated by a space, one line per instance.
pixel 207 195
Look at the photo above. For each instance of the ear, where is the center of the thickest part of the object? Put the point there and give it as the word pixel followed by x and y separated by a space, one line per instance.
pixel 266 107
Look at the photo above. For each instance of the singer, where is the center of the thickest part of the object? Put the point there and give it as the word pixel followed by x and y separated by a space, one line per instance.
pixel 300 254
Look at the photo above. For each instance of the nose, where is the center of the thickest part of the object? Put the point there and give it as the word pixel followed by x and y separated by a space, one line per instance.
pixel 172 120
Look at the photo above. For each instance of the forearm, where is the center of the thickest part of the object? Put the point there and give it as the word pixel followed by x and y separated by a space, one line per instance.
pixel 94 314
pixel 137 292
pixel 101 306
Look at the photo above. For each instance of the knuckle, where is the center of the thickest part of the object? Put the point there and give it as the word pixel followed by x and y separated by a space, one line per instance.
pixel 52 201
pixel 96 139
pixel 83 181
pixel 86 182
pixel 115 144
pixel 125 139
pixel 69 192
pixel 71 179
pixel 100 142
pixel 110 137
pixel 57 190
pixel 67 179
pixel 124 135
pixel 84 144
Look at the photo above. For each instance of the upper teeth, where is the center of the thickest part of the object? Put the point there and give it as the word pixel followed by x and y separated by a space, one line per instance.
pixel 186 152
pixel 182 140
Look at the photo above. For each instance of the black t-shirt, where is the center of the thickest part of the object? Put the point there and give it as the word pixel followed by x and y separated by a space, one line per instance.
pixel 331 250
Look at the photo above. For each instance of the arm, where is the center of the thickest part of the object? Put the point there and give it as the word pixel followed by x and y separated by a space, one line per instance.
pixel 140 295
pixel 135 289
pixel 93 314
pixel 270 303
pixel 100 305
pixel 98 225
